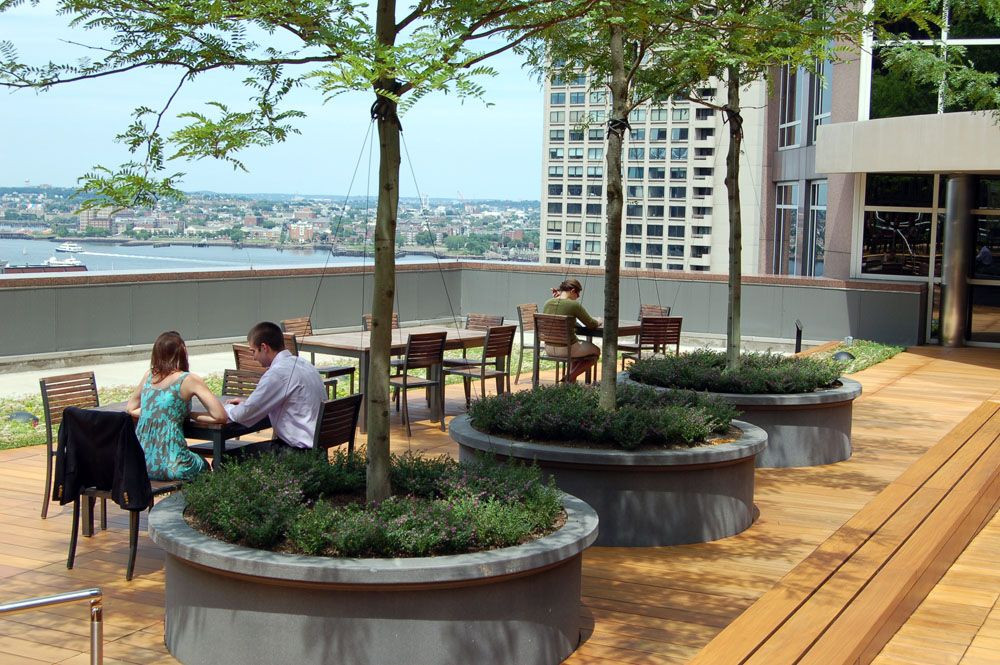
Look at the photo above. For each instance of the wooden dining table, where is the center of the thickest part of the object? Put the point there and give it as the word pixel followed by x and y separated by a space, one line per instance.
pixel 215 432
pixel 358 345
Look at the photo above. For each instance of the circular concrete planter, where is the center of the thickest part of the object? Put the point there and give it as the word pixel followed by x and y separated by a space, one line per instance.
pixel 803 429
pixel 647 498
pixel 227 604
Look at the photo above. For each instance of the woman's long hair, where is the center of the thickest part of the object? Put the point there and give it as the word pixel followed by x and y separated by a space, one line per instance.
pixel 169 355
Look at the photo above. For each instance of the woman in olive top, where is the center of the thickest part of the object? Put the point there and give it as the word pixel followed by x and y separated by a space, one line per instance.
pixel 565 301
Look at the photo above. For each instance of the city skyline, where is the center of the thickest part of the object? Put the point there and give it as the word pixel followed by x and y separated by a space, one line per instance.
pixel 502 161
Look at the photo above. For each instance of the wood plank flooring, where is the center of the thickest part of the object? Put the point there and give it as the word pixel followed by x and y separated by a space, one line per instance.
pixel 641 605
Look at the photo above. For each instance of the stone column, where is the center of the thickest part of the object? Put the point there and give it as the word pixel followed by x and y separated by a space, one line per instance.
pixel 957 256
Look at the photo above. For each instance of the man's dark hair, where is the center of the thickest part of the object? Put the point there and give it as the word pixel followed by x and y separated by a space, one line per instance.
pixel 268 333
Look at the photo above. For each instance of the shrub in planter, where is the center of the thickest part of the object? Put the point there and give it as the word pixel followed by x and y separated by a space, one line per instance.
pixel 759 373
pixel 303 504
pixel 570 413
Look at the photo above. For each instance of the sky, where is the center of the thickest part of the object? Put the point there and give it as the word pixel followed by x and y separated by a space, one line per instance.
pixel 456 147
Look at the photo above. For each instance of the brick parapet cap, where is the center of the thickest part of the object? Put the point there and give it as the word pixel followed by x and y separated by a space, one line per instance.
pixel 85 279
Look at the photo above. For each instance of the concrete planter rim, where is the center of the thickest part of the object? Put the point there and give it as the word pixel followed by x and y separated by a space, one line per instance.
pixel 847 391
pixel 753 441
pixel 169 530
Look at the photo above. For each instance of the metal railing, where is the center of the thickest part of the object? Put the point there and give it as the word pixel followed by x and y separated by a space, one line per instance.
pixel 96 614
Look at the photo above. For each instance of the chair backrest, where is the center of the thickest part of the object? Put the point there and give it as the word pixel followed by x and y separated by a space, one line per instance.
pixel 482 321
pixel 291 344
pixel 58 392
pixel 555 329
pixel 301 326
pixel 499 342
pixel 245 360
pixel 526 316
pixel 658 332
pixel 653 310
pixel 366 321
pixel 424 350
pixel 338 421
pixel 239 383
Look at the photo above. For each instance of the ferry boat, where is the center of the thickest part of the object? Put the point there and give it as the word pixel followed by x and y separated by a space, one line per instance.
pixel 69 247
pixel 68 261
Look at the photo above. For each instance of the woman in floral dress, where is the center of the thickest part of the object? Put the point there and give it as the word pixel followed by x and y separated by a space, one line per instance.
pixel 162 403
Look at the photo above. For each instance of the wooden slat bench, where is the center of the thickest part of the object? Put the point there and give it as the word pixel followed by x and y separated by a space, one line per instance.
pixel 850 596
pixel 826 346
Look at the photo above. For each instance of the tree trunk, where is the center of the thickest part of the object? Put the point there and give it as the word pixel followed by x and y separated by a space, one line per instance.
pixel 735 118
pixel 613 240
pixel 384 111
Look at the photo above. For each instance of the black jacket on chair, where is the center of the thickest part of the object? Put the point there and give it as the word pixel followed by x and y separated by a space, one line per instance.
pixel 99 449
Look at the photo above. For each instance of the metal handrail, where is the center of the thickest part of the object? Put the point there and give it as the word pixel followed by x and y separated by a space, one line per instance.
pixel 95 596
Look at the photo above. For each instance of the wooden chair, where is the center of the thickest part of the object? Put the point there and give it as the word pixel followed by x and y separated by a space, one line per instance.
pixel 423 351
pixel 58 392
pixel 474 322
pixel 656 334
pixel 92 455
pixel 329 372
pixel 557 330
pixel 239 383
pixel 366 321
pixel 494 363
pixel 338 423
pixel 525 322
pixel 302 327
pixel 245 360
pixel 644 311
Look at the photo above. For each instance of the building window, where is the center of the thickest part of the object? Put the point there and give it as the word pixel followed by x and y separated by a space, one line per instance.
pixel 703 172
pixel 574 190
pixel 697 251
pixel 898 225
pixel 789 106
pixel 592 262
pixel 637 115
pixel 637 135
pixel 681 115
pixel 577 97
pixel 574 171
pixel 657 173
pixel 704 133
pixel 578 79
pixel 700 211
pixel 577 117
pixel 594 190
pixel 593 209
pixel 704 114
pixel 633 191
pixel 576 135
pixel 657 153
pixel 633 248
pixel 636 153
pixel 654 266
pixel 701 153
pixel 553 259
pixel 555 190
pixel 678 134
pixel 815 237
pixel 654 231
pixel 659 115
pixel 555 153
pixel 557 98
pixel 678 192
pixel 633 229
pixel 575 153
pixel 573 209
pixel 598 97
pixel 597 116
pixel 553 226
pixel 572 262
pixel 655 191
pixel 595 171
pixel 677 173
pixel 707 94
pixel 658 134
pixel 675 251
pixel 555 207
pixel 636 172
pixel 595 134
pixel 557 116
pixel 678 154
pixel 555 171
pixel 786 214
pixel 822 96
pixel 632 264
pixel 654 211
pixel 698 231
pixel 572 246
pixel 702 192
pixel 633 210
pixel 593 228
pixel 553 244
pixel 676 212
pixel 675 231
pixel 595 153
pixel 654 250
pixel 557 134
pixel 592 246
pixel 573 227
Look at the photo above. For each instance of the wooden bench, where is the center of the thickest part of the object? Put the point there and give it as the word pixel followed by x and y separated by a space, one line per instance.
pixel 850 596
pixel 826 346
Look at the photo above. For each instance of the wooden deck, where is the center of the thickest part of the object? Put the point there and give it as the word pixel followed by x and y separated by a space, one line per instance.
pixel 641 605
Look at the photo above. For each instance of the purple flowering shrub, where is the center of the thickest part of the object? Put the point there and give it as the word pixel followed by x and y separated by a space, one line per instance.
pixel 315 507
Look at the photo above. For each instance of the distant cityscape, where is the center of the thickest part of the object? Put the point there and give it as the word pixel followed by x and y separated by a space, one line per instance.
pixel 488 229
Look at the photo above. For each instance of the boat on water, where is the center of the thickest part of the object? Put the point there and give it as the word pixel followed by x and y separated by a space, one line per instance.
pixel 69 247
pixel 68 261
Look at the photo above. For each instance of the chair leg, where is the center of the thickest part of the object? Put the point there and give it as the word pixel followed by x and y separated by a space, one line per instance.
pixel 406 412
pixel 133 542
pixel 88 516
pixel 467 383
pixel 104 514
pixel 520 358
pixel 500 384
pixel 72 536
pixel 352 382
pixel 440 397
pixel 48 480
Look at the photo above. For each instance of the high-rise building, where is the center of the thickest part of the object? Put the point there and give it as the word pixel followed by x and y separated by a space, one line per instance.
pixel 873 175
pixel 674 168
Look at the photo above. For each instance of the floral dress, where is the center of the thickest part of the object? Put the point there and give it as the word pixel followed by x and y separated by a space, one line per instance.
pixel 160 431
